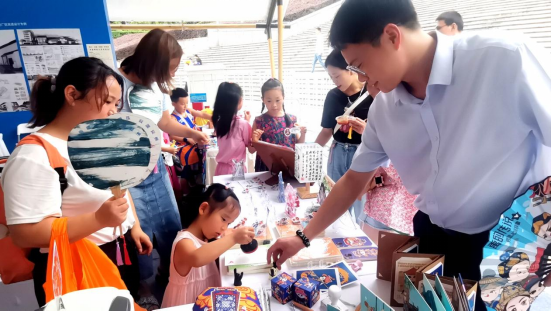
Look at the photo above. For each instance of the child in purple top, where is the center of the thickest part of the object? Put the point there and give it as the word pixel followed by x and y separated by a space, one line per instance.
pixel 270 126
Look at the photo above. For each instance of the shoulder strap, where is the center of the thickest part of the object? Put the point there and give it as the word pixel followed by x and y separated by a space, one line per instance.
pixel 57 162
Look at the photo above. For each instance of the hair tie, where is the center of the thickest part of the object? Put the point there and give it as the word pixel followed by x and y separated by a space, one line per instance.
pixel 52 81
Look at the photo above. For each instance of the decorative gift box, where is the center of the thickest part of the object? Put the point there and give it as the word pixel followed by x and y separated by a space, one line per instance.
pixel 282 287
pixel 227 299
pixel 307 292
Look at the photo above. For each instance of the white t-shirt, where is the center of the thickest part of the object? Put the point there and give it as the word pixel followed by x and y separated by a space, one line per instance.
pixel 149 102
pixel 32 191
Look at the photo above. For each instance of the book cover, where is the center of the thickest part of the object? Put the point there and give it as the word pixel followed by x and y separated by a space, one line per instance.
pixel 320 249
pixel 430 295
pixel 353 242
pixel 362 254
pixel 326 277
pixel 347 275
pixel 442 293
pixel 403 266
pixel 388 243
pixel 287 230
pixel 235 258
pixel 413 300
pixel 372 302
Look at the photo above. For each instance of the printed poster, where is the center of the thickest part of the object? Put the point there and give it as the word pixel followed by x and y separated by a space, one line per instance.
pixel 46 50
pixel 13 87
pixel 103 52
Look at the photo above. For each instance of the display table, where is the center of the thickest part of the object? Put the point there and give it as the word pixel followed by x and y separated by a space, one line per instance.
pixel 210 163
pixel 343 227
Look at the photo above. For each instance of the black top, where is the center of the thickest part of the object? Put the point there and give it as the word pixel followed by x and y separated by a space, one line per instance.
pixel 334 106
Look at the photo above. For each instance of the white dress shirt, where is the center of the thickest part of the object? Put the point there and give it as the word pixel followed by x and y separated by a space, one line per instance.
pixel 479 138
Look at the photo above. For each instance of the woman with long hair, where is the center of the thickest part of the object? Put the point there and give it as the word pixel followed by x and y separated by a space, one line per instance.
pixel 148 75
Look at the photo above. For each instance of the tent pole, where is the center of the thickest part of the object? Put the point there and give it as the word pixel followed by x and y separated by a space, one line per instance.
pixel 280 38
pixel 269 20
pixel 272 63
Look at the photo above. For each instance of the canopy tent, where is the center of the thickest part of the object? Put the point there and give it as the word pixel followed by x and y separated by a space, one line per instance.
pixel 190 10
pixel 203 11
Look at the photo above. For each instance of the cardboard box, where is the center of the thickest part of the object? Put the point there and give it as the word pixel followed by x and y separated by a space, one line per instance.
pixel 306 292
pixel 388 243
pixel 282 287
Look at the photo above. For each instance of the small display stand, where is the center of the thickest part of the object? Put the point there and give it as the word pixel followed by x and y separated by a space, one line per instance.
pixel 277 159
pixel 308 167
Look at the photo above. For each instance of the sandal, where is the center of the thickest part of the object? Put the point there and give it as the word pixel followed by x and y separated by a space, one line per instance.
pixel 149 303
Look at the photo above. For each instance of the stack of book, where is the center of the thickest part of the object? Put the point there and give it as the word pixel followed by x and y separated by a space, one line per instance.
pixel 322 249
pixel 251 263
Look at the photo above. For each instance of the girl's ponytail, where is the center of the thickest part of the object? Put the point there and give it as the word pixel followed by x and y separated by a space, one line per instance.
pixel 46 101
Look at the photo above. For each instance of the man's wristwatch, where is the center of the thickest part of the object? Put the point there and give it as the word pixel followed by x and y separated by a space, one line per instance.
pixel 304 239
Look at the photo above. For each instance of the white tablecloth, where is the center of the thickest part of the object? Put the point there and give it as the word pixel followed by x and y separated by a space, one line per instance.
pixel 343 227
pixel 211 163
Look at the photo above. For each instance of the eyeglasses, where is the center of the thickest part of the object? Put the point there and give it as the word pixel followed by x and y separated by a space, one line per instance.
pixel 356 70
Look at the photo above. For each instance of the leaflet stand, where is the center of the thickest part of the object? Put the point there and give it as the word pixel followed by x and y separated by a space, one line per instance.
pixel 278 159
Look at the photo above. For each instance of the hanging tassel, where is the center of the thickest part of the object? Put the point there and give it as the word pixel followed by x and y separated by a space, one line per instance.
pixel 119 257
pixel 126 256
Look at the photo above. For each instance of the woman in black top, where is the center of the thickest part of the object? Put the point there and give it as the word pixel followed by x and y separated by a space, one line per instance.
pixel 348 89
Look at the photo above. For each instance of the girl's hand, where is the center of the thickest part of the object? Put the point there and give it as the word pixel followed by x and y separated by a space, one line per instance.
pixel 302 128
pixel 247 116
pixel 200 138
pixel 143 243
pixel 190 141
pixel 257 134
pixel 358 125
pixel 169 149
pixel 112 212
pixel 243 235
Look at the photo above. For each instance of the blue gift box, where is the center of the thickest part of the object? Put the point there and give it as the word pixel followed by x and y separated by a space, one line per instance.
pixel 306 292
pixel 282 287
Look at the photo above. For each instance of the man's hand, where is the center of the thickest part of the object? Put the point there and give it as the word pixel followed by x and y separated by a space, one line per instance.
pixel 283 249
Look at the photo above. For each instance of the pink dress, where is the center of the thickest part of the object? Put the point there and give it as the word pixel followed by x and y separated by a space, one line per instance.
pixel 391 204
pixel 182 290
pixel 233 146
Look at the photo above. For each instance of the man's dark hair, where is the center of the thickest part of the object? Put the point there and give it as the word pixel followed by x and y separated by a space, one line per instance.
pixel 451 17
pixel 363 21
pixel 177 93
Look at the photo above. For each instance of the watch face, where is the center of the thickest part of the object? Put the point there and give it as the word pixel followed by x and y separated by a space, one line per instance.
pixel 379 180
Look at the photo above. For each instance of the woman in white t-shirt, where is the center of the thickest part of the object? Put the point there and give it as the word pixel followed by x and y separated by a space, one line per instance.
pixel 84 89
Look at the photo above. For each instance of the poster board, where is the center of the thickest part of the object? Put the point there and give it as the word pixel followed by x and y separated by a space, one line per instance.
pixel 37 37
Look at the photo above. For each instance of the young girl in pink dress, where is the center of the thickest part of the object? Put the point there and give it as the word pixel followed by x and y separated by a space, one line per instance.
pixel 193 267
pixel 233 132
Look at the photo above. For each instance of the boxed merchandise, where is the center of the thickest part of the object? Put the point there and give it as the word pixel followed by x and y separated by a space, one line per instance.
pixel 228 299
pixel 282 287
pixel 307 292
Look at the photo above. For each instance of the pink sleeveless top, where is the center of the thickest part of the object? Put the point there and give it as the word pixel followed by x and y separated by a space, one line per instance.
pixel 182 290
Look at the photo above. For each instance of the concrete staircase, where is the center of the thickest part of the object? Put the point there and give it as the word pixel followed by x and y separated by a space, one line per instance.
pixel 532 17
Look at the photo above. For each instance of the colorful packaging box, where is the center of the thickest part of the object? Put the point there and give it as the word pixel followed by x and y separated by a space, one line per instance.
pixel 282 287
pixel 306 292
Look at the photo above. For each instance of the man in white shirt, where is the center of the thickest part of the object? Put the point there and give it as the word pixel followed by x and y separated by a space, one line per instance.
pixel 466 123
pixel 449 23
